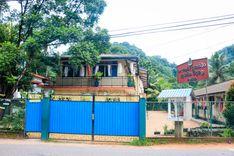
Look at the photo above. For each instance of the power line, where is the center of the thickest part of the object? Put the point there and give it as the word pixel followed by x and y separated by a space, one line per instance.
pixel 184 21
pixel 200 49
pixel 169 30
pixel 174 26
pixel 190 36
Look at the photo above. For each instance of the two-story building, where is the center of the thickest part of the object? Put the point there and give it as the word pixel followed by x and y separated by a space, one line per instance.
pixel 121 78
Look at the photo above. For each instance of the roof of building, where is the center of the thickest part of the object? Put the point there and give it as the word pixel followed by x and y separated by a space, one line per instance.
pixel 111 56
pixel 216 88
pixel 176 93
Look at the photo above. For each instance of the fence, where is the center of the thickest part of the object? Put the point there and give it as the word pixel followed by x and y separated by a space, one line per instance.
pixel 89 117
pixel 206 119
pixel 90 81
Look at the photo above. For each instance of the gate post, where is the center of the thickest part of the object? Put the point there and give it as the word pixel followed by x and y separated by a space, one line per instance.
pixel 142 118
pixel 45 119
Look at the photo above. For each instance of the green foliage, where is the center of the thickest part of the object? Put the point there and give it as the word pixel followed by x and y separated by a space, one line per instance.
pixel 218 68
pixel 84 53
pixel 156 87
pixel 165 129
pixel 14 121
pixel 160 141
pixel 98 76
pixel 229 108
pixel 227 133
pixel 143 142
pixel 9 56
pixel 204 125
pixel 29 43
pixel 161 72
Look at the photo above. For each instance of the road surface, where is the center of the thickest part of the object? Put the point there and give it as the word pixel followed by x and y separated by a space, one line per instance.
pixel 38 148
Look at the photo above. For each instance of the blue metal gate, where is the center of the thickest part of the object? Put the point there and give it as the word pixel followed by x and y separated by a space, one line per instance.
pixel 116 118
pixel 86 117
pixel 70 117
pixel 33 116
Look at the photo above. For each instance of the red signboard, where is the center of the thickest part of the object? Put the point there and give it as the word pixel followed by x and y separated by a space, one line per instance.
pixel 196 70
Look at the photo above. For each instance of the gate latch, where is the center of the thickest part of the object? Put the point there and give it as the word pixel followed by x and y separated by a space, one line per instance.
pixel 93 117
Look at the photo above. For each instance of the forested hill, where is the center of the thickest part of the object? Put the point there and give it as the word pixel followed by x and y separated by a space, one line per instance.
pixel 162 74
pixel 228 53
pixel 156 66
pixel 221 65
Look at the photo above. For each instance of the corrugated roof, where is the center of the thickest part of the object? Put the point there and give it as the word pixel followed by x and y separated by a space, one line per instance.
pixel 175 93
pixel 216 88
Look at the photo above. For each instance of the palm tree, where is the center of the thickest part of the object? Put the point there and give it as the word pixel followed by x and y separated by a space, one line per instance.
pixel 218 68
pixel 157 87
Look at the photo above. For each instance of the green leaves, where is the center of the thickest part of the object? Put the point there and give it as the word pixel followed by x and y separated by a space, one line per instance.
pixel 30 35
pixel 229 107
pixel 15 121
pixel 218 68
pixel 31 47
pixel 9 56
pixel 84 53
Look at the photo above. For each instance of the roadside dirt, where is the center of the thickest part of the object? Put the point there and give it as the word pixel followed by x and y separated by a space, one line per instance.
pixel 113 145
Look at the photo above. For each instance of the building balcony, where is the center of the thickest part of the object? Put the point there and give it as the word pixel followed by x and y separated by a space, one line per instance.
pixel 91 82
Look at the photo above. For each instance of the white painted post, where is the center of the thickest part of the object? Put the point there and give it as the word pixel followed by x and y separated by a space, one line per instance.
pixel 176 111
pixel 169 108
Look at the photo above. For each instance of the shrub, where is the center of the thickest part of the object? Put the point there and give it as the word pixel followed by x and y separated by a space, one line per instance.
pixel 165 129
pixel 227 133
pixel 143 142
pixel 204 125
pixel 14 121
pixel 229 108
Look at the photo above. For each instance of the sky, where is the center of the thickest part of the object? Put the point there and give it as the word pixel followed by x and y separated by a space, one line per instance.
pixel 176 46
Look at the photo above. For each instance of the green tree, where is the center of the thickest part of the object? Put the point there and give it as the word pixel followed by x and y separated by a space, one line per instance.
pixel 218 68
pixel 231 69
pixel 83 53
pixel 39 26
pixel 229 107
pixel 15 121
pixel 156 88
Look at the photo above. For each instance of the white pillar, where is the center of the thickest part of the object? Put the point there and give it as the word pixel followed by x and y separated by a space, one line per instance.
pixel 96 69
pixel 176 110
pixel 120 68
pixel 169 108
pixel 66 71
pixel 82 71
pixel 109 69
pixel 132 68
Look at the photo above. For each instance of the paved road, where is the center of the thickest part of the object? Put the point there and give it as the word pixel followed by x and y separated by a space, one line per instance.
pixel 37 148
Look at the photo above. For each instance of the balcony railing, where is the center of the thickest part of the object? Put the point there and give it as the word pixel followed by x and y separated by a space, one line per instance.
pixel 90 81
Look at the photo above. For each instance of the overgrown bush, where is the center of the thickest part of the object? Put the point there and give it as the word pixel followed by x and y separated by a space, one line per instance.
pixel 204 125
pixel 165 129
pixel 227 133
pixel 229 108
pixel 14 121
pixel 143 142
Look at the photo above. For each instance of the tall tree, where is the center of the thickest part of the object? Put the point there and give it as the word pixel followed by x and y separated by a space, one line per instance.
pixel 41 25
pixel 229 108
pixel 218 68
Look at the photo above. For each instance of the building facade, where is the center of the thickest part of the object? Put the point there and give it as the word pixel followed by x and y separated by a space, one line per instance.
pixel 120 77
pixel 211 100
